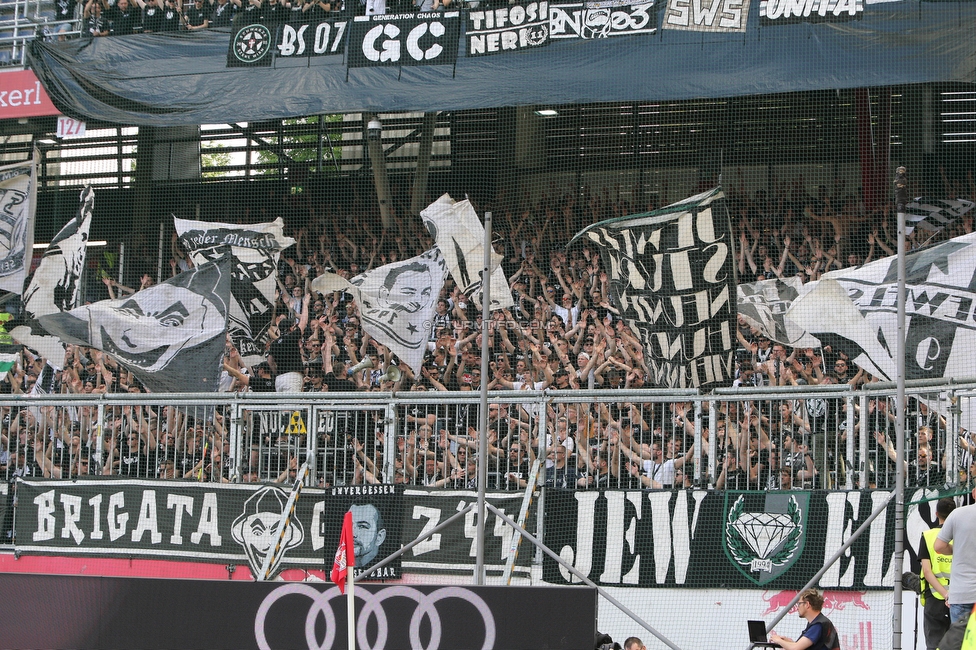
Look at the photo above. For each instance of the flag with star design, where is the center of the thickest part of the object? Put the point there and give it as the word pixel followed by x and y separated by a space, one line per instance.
pixel 396 302
pixel 855 311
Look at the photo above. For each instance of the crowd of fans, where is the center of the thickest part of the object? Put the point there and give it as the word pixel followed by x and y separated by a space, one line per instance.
pixel 562 333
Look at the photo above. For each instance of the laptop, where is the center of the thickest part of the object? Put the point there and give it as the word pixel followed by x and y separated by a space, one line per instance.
pixel 757 635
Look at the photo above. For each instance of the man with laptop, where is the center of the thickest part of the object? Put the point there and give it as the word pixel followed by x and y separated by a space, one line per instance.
pixel 819 633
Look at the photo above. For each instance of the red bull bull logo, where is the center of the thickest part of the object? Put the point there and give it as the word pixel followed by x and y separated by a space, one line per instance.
pixel 833 601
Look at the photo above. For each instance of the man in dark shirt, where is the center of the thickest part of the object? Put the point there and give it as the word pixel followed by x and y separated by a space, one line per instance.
pixel 223 12
pixel 197 17
pixel 124 18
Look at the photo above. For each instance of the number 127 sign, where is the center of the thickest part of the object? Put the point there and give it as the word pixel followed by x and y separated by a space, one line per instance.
pixel 70 128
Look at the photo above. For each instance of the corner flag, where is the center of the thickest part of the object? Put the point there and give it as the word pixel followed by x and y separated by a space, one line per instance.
pixel 344 557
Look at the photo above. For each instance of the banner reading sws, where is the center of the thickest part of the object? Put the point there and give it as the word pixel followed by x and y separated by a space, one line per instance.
pixel 730 539
pixel 222 523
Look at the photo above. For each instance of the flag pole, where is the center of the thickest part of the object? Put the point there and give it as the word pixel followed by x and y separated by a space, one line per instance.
pixel 351 606
pixel 479 565
pixel 901 198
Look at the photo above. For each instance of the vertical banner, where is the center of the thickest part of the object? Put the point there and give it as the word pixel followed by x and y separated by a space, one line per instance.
pixel 18 189
pixel 672 278
pixel 377 520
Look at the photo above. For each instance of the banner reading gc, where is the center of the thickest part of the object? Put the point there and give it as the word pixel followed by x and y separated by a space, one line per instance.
pixel 672 278
pixel 404 39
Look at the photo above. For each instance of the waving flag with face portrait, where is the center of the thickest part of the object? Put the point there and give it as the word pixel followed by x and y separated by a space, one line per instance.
pixel 54 285
pixel 171 336
pixel 396 302
pixel 459 234
pixel 256 249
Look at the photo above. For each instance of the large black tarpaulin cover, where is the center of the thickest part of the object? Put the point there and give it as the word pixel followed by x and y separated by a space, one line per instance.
pixel 182 78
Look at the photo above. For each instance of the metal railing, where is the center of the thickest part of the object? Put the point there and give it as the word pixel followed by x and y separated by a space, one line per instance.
pixel 802 438
pixel 21 21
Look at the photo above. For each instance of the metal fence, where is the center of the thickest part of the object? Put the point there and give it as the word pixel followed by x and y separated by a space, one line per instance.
pixel 812 438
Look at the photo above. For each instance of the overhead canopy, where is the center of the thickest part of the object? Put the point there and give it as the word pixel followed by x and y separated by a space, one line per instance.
pixel 183 78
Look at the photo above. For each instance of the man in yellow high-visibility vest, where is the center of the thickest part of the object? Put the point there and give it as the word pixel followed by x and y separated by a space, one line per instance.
pixel 935 573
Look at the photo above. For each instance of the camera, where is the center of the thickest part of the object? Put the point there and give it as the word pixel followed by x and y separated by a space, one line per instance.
pixel 374 129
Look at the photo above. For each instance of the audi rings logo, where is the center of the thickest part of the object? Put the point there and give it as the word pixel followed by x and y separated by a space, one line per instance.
pixel 374 603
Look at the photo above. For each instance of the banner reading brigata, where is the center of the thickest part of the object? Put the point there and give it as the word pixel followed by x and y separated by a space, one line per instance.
pixel 672 278
pixel 699 539
pixel 404 39
pixel 226 523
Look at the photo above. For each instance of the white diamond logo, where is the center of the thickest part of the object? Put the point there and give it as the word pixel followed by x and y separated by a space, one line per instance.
pixel 763 531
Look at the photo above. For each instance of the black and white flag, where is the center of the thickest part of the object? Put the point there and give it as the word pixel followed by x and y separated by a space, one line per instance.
pixel 171 335
pixel 855 311
pixel 396 302
pixel 933 215
pixel 256 249
pixel 460 236
pixel 17 204
pixel 672 278
pixel 764 305
pixel 54 285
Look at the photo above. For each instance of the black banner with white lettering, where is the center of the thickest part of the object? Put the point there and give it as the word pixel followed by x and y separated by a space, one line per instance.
pixel 672 277
pixel 785 12
pixel 324 38
pixel 200 522
pixel 404 39
pixel 587 21
pixel 507 29
pixel 47 611
pixel 728 540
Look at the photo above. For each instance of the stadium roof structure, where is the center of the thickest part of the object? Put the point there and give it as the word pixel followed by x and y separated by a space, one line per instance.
pixel 184 78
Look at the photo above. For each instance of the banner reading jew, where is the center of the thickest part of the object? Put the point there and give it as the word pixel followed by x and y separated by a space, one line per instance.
pixel 672 278
pixel 256 249
pixel 703 539
pixel 404 39
pixel 507 28
pixel 17 204
pixel 222 522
